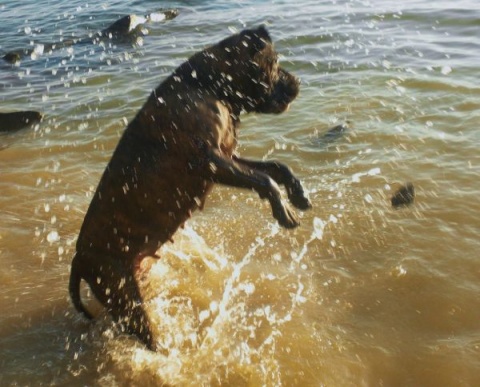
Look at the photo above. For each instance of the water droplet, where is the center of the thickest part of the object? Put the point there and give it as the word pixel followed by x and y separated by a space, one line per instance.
pixel 53 236
pixel 203 315
pixel 368 198
pixel 214 306
pixel 156 16
pixel 446 70
pixel 333 219
pixel 318 227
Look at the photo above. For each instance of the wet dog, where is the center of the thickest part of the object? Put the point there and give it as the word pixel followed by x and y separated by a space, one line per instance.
pixel 180 143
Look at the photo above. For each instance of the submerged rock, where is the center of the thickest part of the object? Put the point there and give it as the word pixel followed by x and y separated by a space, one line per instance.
pixel 12 121
pixel 335 133
pixel 404 196
pixel 331 135
pixel 11 57
pixel 129 23
pixel 122 27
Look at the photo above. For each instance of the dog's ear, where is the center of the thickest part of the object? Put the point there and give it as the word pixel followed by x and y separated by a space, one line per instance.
pixel 256 39
pixel 262 34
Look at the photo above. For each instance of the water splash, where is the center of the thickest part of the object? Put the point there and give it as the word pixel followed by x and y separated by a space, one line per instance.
pixel 219 320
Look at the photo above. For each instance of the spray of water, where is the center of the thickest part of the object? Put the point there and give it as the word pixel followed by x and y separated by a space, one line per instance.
pixel 219 320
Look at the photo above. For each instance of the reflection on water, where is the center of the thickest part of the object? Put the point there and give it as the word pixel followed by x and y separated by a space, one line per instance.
pixel 359 294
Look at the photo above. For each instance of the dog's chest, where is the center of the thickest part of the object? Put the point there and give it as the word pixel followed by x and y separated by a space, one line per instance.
pixel 226 129
pixel 229 141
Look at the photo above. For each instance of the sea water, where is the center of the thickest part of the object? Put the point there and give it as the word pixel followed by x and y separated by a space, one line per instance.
pixel 361 294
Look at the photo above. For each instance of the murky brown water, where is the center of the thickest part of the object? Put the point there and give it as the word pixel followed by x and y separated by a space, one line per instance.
pixel 360 294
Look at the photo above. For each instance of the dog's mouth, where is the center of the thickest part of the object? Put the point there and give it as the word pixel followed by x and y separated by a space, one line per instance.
pixel 273 107
pixel 280 107
pixel 276 104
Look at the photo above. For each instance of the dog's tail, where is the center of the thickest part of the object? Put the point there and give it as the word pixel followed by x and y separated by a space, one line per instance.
pixel 74 288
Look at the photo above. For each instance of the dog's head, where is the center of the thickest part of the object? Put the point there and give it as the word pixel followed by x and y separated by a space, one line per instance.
pixel 243 70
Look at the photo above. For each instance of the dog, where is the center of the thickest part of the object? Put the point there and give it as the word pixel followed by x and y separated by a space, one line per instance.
pixel 179 144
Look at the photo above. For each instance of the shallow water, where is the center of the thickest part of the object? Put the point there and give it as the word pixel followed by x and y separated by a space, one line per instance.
pixel 360 294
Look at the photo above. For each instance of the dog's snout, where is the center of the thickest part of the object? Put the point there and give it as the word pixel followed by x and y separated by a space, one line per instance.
pixel 289 84
pixel 297 81
pixel 289 87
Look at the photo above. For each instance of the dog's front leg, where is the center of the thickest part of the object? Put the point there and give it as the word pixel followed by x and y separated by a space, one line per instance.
pixel 224 170
pixel 282 175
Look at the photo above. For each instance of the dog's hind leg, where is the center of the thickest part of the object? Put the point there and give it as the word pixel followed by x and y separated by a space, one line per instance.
pixel 126 307
pixel 282 175
pixel 115 286
pixel 74 286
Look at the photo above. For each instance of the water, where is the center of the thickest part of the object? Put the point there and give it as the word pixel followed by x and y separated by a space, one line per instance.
pixel 359 295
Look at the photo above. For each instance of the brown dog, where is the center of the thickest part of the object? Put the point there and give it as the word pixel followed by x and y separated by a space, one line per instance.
pixel 180 143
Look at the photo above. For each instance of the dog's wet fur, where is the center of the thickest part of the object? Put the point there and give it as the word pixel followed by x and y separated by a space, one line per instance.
pixel 179 144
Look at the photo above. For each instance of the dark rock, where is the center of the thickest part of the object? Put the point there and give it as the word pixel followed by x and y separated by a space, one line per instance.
pixel 129 23
pixel 404 196
pixel 335 133
pixel 170 13
pixel 332 135
pixel 125 26
pixel 12 57
pixel 12 121
pixel 120 27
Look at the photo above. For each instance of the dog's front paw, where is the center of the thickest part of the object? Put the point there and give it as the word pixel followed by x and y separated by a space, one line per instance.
pixel 285 215
pixel 297 196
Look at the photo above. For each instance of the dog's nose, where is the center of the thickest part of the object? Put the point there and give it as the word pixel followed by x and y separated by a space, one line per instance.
pixel 298 82
pixel 293 87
